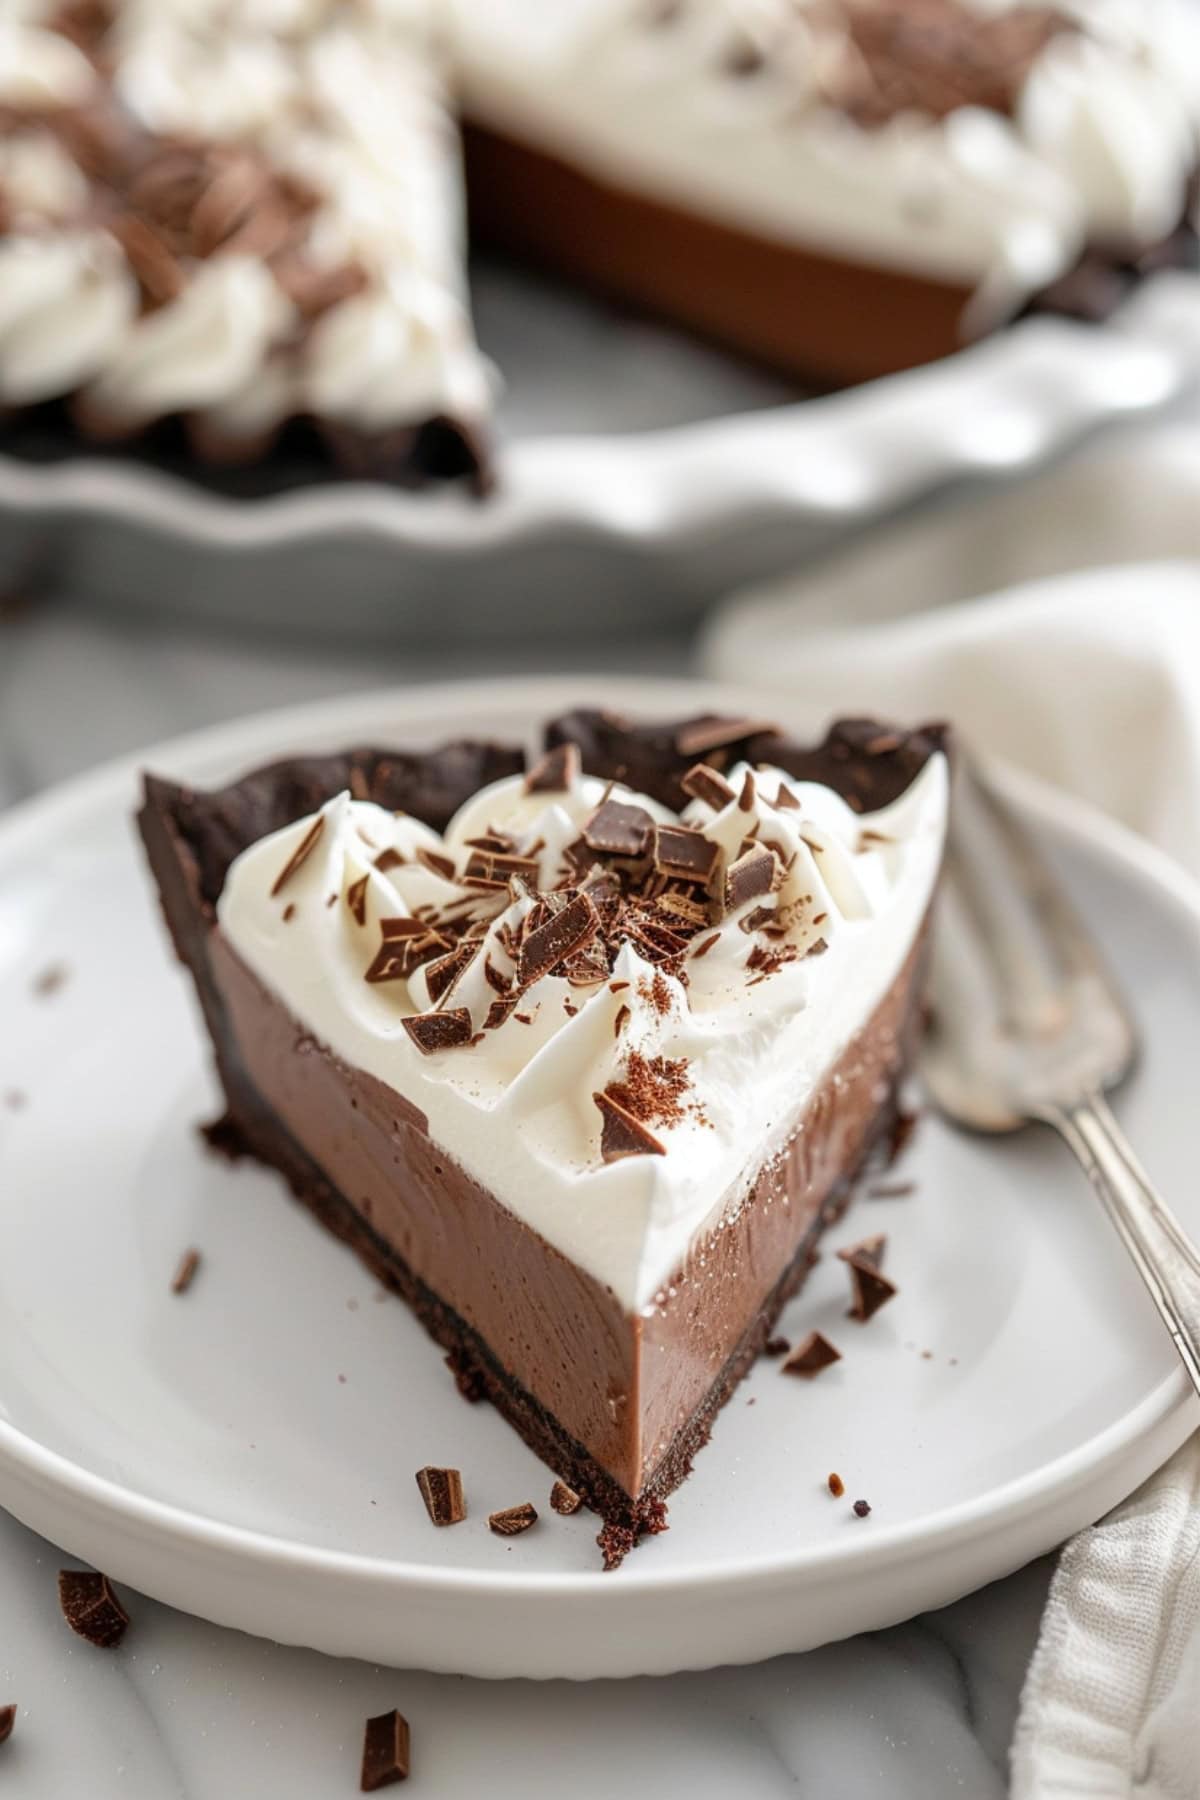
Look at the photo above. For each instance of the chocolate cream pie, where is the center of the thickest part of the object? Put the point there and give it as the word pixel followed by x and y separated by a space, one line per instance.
pixel 242 221
pixel 580 1058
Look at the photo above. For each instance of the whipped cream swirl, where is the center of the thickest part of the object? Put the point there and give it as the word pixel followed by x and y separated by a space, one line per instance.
pixel 743 1042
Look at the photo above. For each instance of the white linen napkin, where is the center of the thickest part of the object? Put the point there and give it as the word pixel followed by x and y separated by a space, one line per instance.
pixel 1090 678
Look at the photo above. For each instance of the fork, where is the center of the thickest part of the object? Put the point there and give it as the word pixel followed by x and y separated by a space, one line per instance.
pixel 1028 1026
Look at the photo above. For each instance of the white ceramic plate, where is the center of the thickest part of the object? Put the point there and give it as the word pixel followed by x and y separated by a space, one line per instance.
pixel 594 507
pixel 247 1451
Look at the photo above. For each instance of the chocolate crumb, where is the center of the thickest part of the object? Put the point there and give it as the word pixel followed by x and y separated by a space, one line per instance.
pixel 861 1508
pixel 892 1190
pixel 903 1126
pixel 300 854
pixel 615 1541
pixel 442 1492
pixel 812 1356
pixel 185 1273
pixel 777 1346
pixel 621 1134
pixel 623 1014
pixel 14 1099
pixel 556 772
pixel 836 1485
pixel 289 912
pixel 706 944
pixel 511 1521
pixel 50 980
pixel 564 1499
pixel 386 1752
pixel 356 899
pixel 389 859
pixel 8 1718
pixel 91 1608
pixel 870 1287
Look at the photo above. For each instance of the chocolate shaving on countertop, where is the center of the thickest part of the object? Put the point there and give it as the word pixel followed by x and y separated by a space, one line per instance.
pixel 556 772
pixel 91 1608
pixel 812 1355
pixel 703 783
pixel 511 1521
pixel 564 1499
pixel 8 1718
pixel 442 1492
pixel 435 1031
pixel 387 1752
pixel 185 1272
pixel 623 1135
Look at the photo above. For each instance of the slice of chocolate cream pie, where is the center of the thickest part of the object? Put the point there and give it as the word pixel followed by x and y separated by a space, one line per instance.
pixel 580 1058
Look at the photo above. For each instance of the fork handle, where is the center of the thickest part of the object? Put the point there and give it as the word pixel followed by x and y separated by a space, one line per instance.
pixel 1165 1258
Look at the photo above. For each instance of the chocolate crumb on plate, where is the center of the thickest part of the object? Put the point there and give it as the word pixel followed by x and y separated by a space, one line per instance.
pixel 91 1608
pixel 861 1508
pixel 812 1355
pixel 836 1485
pixel 777 1346
pixel 386 1757
pixel 442 1492
pixel 892 1190
pixel 511 1521
pixel 8 1718
pixel 185 1272
pixel 871 1289
pixel 564 1499
pixel 50 980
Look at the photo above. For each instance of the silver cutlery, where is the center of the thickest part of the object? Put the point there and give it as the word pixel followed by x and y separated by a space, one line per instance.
pixel 1028 1026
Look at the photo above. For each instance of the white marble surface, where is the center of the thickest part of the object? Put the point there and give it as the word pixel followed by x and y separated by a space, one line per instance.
pixel 185 1709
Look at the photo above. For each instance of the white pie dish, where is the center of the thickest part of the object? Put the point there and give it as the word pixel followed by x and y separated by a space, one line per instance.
pixel 592 509
pixel 204 1450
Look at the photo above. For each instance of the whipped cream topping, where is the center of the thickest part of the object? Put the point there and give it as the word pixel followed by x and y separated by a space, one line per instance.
pixel 712 1041
pixel 342 98
pixel 728 108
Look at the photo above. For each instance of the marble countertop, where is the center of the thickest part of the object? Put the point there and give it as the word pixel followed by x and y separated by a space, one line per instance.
pixel 920 1712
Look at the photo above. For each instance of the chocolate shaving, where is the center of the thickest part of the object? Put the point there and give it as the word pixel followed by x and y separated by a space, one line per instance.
pixel 891 1190
pixel 615 829
pixel 861 1509
pixel 812 1356
pixel 619 1022
pixel 436 863
pixel 8 1718
pixel 556 772
pixel 91 1608
pixel 389 859
pixel 563 934
pixel 300 854
pixel 564 1499
pixel 713 733
pixel 703 948
pixel 680 851
pixel 751 876
pixel 703 783
pixel 497 867
pixel 499 1012
pixel 903 1126
pixel 495 978
pixel 785 800
pixel 441 975
pixel 776 1346
pixel 442 1492
pixel 621 1134
pixel 836 1485
pixel 871 1288
pixel 406 944
pixel 356 899
pixel 511 1521
pixel 185 1273
pixel 749 793
pixel 386 1752
pixel 434 1031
